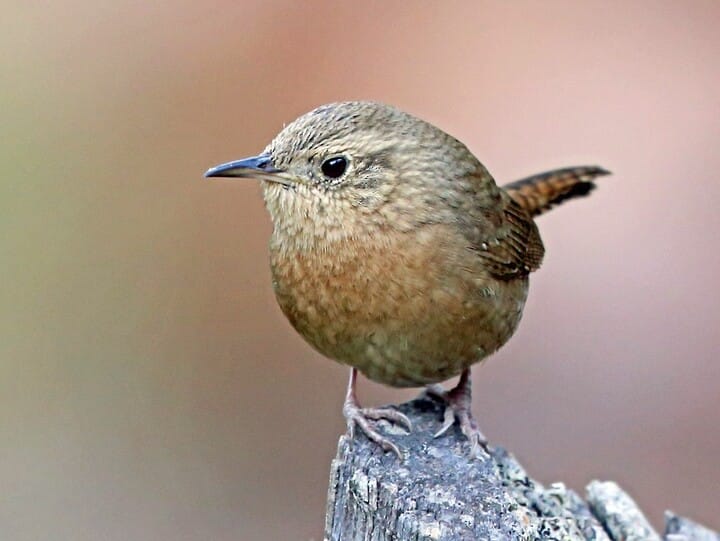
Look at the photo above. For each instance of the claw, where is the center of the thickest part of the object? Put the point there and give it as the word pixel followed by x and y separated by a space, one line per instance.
pixel 357 416
pixel 448 421
pixel 458 406
pixel 390 415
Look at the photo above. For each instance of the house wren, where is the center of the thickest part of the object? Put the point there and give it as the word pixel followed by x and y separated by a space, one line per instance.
pixel 394 252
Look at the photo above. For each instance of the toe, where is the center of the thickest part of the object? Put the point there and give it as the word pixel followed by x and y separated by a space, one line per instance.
pixel 390 415
pixel 448 421
pixel 360 417
pixel 374 436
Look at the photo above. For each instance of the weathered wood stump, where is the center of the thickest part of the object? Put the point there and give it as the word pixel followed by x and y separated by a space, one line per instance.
pixel 438 492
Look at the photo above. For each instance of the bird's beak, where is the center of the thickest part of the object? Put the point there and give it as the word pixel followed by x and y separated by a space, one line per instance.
pixel 257 167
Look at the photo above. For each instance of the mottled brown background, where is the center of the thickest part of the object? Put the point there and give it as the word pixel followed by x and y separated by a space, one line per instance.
pixel 149 386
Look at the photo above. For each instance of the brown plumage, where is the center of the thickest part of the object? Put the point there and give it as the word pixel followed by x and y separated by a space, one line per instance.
pixel 393 250
pixel 539 193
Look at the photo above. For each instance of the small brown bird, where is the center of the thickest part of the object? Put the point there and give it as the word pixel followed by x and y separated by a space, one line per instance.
pixel 394 252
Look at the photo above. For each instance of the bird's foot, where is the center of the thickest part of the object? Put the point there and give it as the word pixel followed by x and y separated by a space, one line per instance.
pixel 458 406
pixel 355 415
pixel 362 417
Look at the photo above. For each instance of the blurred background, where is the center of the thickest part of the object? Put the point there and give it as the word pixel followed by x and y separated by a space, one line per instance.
pixel 150 388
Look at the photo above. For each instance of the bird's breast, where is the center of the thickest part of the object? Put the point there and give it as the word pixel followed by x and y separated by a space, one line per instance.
pixel 406 309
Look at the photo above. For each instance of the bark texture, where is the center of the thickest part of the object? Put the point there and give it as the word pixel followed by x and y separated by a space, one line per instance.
pixel 438 492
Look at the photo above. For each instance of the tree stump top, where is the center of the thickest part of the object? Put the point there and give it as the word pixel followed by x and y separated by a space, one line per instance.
pixel 440 492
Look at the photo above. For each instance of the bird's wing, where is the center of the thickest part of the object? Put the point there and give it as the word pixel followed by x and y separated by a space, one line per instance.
pixel 501 232
pixel 514 249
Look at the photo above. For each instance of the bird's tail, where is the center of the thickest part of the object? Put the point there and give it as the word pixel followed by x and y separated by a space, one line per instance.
pixel 539 193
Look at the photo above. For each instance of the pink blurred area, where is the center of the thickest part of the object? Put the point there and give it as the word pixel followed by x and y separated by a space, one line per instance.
pixel 151 389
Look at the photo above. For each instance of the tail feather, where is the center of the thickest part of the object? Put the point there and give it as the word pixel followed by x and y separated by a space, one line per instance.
pixel 539 193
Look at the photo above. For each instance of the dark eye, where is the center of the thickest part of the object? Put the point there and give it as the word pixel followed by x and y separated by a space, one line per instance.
pixel 334 167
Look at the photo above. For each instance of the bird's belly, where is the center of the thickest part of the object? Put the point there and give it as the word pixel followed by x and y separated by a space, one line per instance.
pixel 400 320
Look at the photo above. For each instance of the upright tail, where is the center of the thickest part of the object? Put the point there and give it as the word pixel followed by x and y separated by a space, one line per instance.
pixel 539 193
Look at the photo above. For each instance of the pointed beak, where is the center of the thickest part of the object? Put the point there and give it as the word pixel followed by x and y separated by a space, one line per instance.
pixel 257 167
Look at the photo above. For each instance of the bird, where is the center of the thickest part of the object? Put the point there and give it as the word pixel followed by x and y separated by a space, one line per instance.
pixel 394 251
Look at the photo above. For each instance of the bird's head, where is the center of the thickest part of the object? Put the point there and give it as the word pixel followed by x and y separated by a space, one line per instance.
pixel 354 163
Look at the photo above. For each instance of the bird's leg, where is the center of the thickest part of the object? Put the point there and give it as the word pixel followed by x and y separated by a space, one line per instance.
pixel 355 415
pixel 458 405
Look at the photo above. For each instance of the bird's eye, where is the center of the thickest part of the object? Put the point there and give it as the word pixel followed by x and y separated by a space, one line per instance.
pixel 334 167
